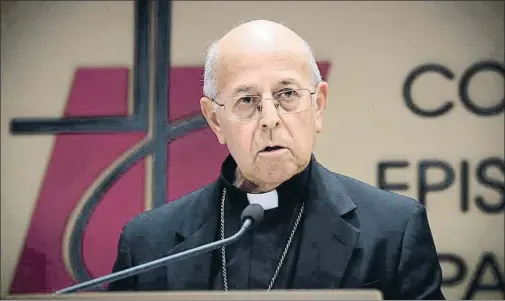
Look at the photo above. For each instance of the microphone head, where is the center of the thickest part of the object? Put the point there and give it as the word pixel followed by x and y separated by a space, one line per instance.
pixel 254 212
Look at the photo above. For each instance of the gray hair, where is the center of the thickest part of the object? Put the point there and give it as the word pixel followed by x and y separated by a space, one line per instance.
pixel 210 82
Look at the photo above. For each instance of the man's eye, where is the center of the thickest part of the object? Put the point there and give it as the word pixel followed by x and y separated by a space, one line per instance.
pixel 287 94
pixel 246 100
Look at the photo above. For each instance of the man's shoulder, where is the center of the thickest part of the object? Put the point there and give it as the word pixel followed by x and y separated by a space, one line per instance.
pixel 368 198
pixel 365 195
pixel 376 208
pixel 165 218
pixel 382 215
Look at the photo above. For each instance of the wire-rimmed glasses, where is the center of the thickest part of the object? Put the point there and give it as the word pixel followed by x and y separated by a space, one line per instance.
pixel 286 101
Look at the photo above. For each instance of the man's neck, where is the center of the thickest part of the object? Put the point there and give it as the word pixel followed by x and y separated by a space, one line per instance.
pixel 250 187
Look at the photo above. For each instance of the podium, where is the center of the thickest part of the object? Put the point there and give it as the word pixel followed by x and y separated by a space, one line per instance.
pixel 317 295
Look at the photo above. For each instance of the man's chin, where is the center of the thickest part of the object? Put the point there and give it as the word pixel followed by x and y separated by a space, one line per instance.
pixel 276 175
pixel 274 170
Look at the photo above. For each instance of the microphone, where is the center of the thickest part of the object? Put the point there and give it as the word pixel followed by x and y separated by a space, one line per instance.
pixel 251 217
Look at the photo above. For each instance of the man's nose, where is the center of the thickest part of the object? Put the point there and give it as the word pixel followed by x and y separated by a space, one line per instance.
pixel 269 115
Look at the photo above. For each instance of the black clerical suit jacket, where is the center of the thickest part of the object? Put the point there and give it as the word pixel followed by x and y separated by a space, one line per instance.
pixel 353 236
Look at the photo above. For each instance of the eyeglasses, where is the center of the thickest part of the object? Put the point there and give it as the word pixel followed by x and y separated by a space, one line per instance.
pixel 286 101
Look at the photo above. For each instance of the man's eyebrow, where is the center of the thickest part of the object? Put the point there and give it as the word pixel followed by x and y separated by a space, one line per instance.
pixel 242 89
pixel 246 89
pixel 289 81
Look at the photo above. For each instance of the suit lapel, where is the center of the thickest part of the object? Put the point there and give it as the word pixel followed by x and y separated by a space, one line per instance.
pixel 198 229
pixel 327 240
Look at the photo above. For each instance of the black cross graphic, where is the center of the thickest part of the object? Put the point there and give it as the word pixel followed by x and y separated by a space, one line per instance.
pixel 162 132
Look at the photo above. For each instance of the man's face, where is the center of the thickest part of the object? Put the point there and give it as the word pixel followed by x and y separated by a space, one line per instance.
pixel 264 74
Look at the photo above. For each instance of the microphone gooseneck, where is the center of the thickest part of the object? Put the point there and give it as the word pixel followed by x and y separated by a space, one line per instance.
pixel 251 217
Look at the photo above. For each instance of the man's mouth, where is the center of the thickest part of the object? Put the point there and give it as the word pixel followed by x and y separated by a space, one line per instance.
pixel 271 148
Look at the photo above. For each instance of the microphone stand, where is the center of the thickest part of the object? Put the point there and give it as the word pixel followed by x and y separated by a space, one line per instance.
pixel 159 262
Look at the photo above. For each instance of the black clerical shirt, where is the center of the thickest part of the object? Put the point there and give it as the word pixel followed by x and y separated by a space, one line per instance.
pixel 252 260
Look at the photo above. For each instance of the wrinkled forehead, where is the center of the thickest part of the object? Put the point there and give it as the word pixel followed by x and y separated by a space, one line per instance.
pixel 258 71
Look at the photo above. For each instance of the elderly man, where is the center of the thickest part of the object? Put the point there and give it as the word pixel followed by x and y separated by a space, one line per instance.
pixel 264 98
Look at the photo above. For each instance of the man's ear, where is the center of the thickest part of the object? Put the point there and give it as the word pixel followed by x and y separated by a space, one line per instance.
pixel 207 107
pixel 321 105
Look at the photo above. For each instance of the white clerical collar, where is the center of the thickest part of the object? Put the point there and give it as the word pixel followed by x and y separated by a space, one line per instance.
pixel 267 200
